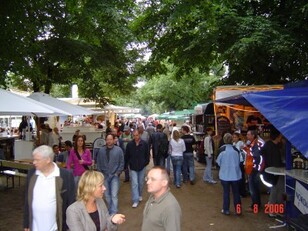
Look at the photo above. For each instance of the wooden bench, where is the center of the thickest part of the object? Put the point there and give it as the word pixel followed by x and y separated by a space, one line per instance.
pixel 12 169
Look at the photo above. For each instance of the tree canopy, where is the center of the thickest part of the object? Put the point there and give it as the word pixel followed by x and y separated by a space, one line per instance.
pixel 262 42
pixel 97 44
pixel 66 42
pixel 167 92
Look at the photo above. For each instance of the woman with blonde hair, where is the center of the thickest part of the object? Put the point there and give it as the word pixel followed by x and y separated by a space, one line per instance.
pixel 176 149
pixel 89 212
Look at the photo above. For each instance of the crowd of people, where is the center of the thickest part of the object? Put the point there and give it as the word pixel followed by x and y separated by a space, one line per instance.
pixel 239 161
pixel 74 196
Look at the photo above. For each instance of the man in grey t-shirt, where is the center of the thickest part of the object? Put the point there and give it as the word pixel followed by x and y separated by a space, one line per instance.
pixel 162 211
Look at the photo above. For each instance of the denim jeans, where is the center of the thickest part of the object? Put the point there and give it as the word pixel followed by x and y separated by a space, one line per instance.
pixel 207 176
pixel 137 182
pixel 188 164
pixel 242 183
pixel 159 161
pixel 76 181
pixel 177 162
pixel 226 195
pixel 126 173
pixel 169 167
pixel 254 188
pixel 112 184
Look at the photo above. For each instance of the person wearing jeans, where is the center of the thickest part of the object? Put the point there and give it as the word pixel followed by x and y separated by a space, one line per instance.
pixel 255 193
pixel 229 174
pixel 177 148
pixel 177 163
pixel 80 158
pixel 208 151
pixel 168 164
pixel 253 149
pixel 137 157
pixel 137 183
pixel 188 167
pixel 188 161
pixel 110 161
pixel 156 139
pixel 112 185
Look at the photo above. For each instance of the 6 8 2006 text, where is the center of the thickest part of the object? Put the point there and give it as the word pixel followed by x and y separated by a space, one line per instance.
pixel 274 208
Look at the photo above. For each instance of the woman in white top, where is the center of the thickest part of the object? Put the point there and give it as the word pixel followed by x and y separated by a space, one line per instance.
pixel 176 148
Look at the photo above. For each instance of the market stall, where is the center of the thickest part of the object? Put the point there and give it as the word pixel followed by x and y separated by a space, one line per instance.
pixel 287 110
pixel 13 104
pixel 91 132
pixel 242 115
pixel 203 117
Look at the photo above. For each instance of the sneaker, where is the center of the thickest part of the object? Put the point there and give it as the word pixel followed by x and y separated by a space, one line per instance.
pixel 192 182
pixel 272 215
pixel 140 198
pixel 178 186
pixel 135 205
pixel 225 212
pixel 213 182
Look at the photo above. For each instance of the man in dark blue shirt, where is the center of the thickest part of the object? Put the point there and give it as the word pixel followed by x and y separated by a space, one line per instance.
pixel 138 157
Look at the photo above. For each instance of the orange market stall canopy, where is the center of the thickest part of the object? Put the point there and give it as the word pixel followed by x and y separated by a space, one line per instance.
pixel 286 109
pixel 233 116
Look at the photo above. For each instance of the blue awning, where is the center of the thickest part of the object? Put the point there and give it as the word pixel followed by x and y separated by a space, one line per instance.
pixel 286 109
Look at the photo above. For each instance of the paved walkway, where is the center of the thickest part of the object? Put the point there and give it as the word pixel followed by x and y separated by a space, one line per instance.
pixel 201 205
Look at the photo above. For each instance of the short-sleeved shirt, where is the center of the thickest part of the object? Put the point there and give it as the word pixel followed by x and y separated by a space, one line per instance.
pixel 163 213
pixel 44 204
pixel 189 141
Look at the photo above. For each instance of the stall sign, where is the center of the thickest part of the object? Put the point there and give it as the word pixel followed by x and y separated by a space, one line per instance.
pixel 301 198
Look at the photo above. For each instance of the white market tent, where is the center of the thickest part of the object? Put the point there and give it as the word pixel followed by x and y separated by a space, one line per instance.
pixel 109 108
pixel 68 108
pixel 120 109
pixel 13 104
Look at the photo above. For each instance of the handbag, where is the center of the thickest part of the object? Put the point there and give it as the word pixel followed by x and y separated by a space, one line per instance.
pixel 79 158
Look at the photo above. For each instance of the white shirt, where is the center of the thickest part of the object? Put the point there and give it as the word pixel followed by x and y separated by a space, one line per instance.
pixel 239 145
pixel 208 146
pixel 177 148
pixel 44 205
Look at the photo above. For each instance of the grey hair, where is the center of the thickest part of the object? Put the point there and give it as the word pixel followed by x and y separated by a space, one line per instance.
pixel 45 151
pixel 227 138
